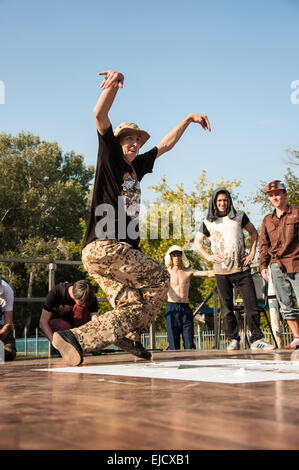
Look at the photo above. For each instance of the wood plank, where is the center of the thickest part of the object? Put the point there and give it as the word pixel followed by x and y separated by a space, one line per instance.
pixel 47 410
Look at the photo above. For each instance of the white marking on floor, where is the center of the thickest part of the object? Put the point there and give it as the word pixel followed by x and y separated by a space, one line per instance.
pixel 229 371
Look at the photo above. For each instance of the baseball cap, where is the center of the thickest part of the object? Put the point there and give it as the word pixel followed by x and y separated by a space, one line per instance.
pixel 275 185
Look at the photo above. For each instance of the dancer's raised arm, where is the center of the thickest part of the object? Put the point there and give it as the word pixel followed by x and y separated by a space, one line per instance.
pixel 110 85
pixel 169 141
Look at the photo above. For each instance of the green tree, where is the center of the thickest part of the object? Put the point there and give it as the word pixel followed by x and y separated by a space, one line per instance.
pixel 43 196
pixel 43 192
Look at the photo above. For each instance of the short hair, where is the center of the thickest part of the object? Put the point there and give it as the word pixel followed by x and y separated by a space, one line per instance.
pixel 84 291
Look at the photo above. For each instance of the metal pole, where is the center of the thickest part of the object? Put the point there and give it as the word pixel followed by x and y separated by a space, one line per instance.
pixel 215 318
pixel 36 341
pixel 198 334
pixel 25 340
pixel 153 336
pixel 51 268
pixel 274 312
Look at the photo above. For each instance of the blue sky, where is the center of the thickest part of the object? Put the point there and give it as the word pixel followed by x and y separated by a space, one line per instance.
pixel 232 60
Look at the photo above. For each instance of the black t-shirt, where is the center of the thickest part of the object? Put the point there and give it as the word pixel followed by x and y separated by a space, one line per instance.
pixel 58 298
pixel 116 194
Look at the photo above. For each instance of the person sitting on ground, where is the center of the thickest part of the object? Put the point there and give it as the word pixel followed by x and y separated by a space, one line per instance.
pixel 68 306
pixel 178 314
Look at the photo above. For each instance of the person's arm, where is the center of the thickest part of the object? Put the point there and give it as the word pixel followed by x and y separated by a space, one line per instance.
pixel 198 245
pixel 44 324
pixel 250 228
pixel 8 324
pixel 169 141
pixel 263 252
pixel 110 85
pixel 197 273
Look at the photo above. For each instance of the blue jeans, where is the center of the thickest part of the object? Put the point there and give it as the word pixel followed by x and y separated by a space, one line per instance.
pixel 283 285
pixel 179 321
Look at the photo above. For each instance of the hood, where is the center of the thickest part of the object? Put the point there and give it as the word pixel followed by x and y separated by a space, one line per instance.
pixel 212 209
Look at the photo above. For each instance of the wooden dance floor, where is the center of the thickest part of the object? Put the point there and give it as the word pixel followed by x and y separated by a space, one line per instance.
pixel 188 400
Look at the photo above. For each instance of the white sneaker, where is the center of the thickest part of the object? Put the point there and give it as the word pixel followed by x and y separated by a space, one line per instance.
pixel 233 345
pixel 261 345
pixel 294 344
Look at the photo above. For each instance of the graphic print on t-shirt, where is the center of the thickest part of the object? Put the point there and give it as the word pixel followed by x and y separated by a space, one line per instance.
pixel 226 237
pixel 131 195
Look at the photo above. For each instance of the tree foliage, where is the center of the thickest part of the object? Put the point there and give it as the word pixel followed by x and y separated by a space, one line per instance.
pixel 291 182
pixel 43 196
pixel 43 193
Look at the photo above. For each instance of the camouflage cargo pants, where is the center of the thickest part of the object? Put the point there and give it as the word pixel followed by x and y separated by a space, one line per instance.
pixel 135 286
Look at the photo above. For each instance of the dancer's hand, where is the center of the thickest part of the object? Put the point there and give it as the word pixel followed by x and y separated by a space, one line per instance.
pixel 202 120
pixel 112 79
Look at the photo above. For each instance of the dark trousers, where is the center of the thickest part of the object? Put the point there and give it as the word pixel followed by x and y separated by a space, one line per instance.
pixel 179 321
pixel 10 351
pixel 225 286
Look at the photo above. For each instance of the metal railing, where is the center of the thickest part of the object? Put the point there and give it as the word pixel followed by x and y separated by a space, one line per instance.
pixel 52 265
pixel 204 340
pixel 153 340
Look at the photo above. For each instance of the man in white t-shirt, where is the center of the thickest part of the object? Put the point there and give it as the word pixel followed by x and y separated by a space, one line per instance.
pixel 6 320
pixel 224 228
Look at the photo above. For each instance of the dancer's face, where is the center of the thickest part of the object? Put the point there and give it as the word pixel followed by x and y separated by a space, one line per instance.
pixel 130 144
pixel 222 204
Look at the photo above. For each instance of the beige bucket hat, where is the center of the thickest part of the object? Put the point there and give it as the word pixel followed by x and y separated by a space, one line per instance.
pixel 167 257
pixel 127 127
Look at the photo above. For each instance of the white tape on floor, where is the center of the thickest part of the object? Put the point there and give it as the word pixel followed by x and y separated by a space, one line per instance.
pixel 230 371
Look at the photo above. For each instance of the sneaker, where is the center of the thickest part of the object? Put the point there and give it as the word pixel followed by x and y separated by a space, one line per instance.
pixel 68 346
pixel 294 344
pixel 133 347
pixel 261 345
pixel 234 345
